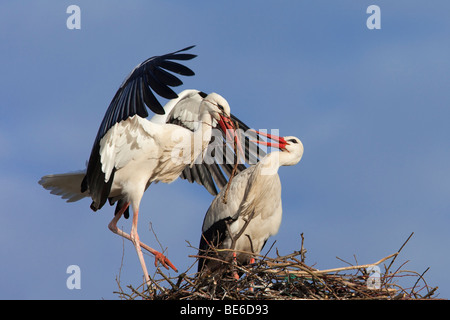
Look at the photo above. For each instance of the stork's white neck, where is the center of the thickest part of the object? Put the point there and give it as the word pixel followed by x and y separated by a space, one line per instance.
pixel 270 163
pixel 274 160
pixel 202 136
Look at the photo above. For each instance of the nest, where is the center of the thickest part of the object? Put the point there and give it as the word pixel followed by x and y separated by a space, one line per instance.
pixel 288 277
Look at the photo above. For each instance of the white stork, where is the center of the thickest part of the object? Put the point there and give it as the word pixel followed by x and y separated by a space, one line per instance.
pixel 131 152
pixel 252 212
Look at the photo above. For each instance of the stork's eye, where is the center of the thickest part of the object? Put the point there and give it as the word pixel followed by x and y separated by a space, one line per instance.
pixel 293 140
pixel 220 107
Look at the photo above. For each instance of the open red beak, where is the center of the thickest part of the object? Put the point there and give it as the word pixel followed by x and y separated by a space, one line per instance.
pixel 280 142
pixel 227 126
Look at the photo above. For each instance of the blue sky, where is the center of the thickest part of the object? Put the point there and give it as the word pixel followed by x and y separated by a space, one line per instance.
pixel 370 106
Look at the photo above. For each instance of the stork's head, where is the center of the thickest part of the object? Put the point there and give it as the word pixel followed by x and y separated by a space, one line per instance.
pixel 219 109
pixel 294 146
pixel 291 146
pixel 217 106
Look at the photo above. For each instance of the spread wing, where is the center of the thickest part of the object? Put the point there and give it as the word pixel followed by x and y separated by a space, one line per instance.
pixel 134 96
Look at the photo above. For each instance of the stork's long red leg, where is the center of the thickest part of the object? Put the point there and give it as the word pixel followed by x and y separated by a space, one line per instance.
pixel 158 255
pixel 235 274
pixel 137 244
pixel 252 261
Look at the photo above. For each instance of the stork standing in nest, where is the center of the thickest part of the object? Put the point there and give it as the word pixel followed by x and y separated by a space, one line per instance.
pixel 252 212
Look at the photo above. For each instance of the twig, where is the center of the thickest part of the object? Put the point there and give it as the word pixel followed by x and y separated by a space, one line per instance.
pixel 269 249
pixel 233 172
pixel 398 251
pixel 335 270
pixel 174 287
pixel 430 293
pixel 238 235
pixel 418 279
pixel 302 249
pixel 281 277
pixel 156 237
pixel 137 292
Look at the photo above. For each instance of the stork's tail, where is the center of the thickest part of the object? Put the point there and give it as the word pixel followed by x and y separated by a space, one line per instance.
pixel 66 185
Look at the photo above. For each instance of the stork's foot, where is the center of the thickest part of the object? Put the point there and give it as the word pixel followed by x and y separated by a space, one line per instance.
pixel 163 260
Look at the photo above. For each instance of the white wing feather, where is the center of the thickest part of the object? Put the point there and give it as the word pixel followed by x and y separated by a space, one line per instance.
pixel 189 97
pixel 125 141
pixel 219 210
pixel 185 110
pixel 249 191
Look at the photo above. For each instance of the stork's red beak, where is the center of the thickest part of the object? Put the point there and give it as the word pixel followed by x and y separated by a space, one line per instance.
pixel 280 142
pixel 228 127
pixel 225 124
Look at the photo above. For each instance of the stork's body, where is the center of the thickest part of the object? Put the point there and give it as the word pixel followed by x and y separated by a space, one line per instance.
pixel 253 208
pixel 130 152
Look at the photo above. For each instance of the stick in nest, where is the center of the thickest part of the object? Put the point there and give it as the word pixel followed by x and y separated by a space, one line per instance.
pixel 284 277
pixel 233 172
